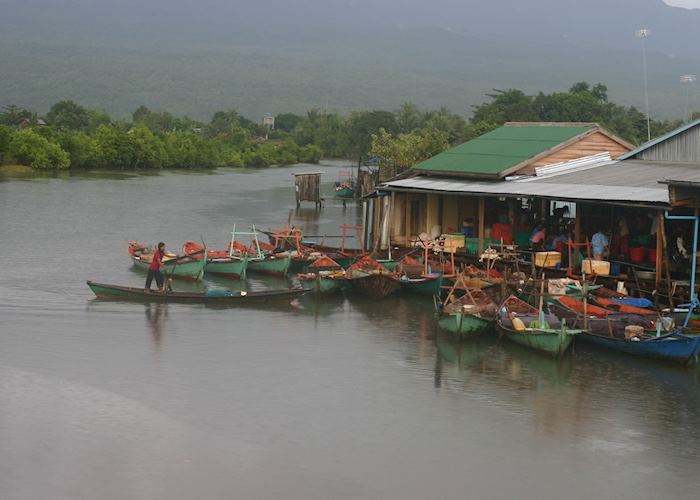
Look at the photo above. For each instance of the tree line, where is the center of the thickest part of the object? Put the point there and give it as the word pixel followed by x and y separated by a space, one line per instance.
pixel 73 136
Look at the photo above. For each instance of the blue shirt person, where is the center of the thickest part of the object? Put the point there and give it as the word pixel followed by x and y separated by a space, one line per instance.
pixel 600 244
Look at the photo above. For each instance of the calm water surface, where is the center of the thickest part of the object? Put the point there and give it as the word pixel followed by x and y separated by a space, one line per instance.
pixel 335 399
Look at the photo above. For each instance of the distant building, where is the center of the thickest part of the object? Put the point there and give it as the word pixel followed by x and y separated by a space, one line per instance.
pixel 269 122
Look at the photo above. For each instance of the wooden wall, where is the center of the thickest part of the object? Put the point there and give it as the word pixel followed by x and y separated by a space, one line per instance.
pixel 590 145
pixel 307 187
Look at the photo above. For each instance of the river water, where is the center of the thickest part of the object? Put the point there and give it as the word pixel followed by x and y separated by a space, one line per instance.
pixel 334 399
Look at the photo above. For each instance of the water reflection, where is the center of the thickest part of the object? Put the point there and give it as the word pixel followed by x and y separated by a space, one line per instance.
pixel 320 307
pixel 156 316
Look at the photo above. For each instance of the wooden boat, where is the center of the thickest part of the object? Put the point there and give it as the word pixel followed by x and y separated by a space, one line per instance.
pixel 426 284
pixel 543 332
pixel 416 278
pixel 187 266
pixel 263 261
pixel 219 261
pixel 367 277
pixel 576 305
pixel 609 324
pixel 324 276
pixel 126 293
pixel 344 190
pixel 344 186
pixel 472 313
pixel 611 305
pixel 271 264
pixel 609 332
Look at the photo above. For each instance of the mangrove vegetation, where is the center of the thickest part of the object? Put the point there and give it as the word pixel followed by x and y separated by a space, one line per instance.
pixel 72 136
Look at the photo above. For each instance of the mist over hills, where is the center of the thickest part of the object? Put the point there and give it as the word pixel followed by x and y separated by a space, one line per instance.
pixel 281 56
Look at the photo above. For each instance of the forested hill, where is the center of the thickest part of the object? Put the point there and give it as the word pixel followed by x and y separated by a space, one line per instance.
pixel 603 23
pixel 276 56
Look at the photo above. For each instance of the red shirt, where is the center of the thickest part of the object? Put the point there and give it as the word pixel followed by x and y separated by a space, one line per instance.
pixel 502 231
pixel 155 263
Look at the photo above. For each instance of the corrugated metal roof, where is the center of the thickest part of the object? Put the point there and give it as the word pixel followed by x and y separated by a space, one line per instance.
pixel 501 149
pixel 594 192
pixel 630 174
pixel 658 140
pixel 630 181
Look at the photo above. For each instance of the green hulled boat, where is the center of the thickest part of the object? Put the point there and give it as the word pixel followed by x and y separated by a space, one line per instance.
pixel 389 264
pixel 470 314
pixel 324 276
pixel 232 267
pixel 425 285
pixel 541 332
pixel 344 191
pixel 186 266
pixel 275 266
pixel 219 262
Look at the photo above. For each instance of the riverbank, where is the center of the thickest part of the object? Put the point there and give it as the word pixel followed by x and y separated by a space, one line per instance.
pixel 16 171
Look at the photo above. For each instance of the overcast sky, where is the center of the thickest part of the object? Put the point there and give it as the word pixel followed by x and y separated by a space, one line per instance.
pixel 684 3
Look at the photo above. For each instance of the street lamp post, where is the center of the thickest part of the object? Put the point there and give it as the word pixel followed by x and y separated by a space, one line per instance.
pixel 643 34
pixel 687 80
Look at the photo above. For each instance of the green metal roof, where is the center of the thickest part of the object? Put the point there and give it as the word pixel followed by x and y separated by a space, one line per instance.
pixel 499 150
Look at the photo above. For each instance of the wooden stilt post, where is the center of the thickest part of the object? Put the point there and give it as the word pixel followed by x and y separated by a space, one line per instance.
pixel 667 262
pixel 408 219
pixel 577 236
pixel 659 251
pixel 482 209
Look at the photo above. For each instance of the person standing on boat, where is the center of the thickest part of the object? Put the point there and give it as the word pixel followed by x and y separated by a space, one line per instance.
pixel 154 269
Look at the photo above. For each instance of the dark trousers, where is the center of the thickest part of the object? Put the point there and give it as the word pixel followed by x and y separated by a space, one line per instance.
pixel 154 274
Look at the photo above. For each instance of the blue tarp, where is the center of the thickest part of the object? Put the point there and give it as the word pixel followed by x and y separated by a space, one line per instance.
pixel 644 303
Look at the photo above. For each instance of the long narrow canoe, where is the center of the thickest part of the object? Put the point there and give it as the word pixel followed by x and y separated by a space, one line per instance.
pixel 673 346
pixel 187 266
pixel 126 293
pixel 609 332
pixel 553 338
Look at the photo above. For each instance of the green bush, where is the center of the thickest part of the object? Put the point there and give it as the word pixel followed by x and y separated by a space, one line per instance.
pixel 29 148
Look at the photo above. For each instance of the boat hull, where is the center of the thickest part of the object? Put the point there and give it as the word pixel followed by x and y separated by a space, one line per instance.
pixel 375 286
pixel 390 265
pixel 552 343
pixel 132 294
pixel 463 325
pixel 678 349
pixel 231 268
pixel 345 192
pixel 193 269
pixel 425 286
pixel 323 286
pixel 272 266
